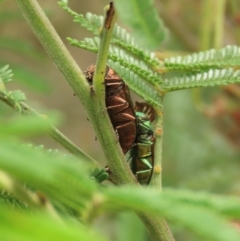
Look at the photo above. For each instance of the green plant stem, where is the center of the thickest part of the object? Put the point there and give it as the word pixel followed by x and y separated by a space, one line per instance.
pixel 74 76
pixel 118 166
pixel 234 6
pixel 161 228
pixel 158 228
pixel 206 24
pixel 105 38
pixel 105 134
pixel 219 23
pixel 158 131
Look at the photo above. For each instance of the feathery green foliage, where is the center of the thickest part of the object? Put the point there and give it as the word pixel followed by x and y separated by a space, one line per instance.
pixel 137 84
pixel 133 71
pixel 53 177
pixel 212 77
pixel 124 40
pixel 122 57
pixel 5 76
pixel 57 189
pixel 203 62
pixel 13 97
pixel 120 36
pixel 56 175
pixel 228 56
pixel 142 17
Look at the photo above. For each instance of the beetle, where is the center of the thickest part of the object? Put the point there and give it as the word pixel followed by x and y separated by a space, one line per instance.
pixel 119 106
pixel 142 153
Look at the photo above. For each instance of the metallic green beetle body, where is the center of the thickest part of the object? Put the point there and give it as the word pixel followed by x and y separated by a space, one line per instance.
pixel 141 153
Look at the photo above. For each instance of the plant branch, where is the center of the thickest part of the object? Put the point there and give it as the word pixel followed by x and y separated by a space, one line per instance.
pixel 206 24
pixel 105 38
pixel 219 23
pixel 100 121
pixel 53 132
pixel 118 166
pixel 157 228
pixel 158 130
pixel 74 76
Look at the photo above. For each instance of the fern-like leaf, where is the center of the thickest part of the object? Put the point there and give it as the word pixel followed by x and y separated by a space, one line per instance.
pixel 137 84
pixel 213 77
pixel 143 18
pixel 12 97
pixel 139 67
pixel 123 39
pixel 119 55
pixel 120 37
pixel 5 76
pixel 228 56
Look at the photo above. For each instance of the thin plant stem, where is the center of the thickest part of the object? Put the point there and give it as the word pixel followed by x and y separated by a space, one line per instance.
pixel 158 131
pixel 206 24
pixel 105 38
pixel 105 134
pixel 219 23
pixel 53 132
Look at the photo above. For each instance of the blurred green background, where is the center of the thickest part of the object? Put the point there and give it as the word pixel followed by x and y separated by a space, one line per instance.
pixel 201 126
